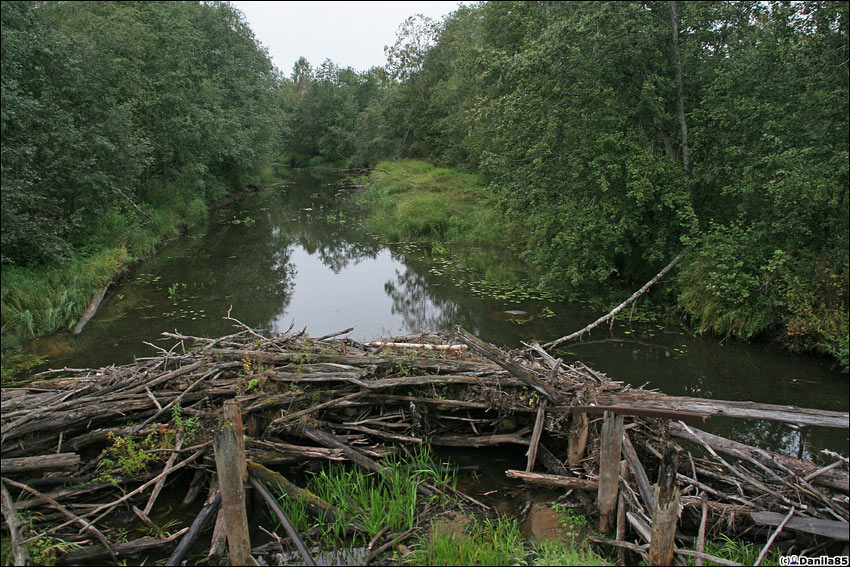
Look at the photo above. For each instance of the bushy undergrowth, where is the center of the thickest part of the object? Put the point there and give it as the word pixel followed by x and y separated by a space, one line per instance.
pixel 728 288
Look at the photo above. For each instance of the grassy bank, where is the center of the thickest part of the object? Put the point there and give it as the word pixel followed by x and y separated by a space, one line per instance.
pixel 414 200
pixel 43 300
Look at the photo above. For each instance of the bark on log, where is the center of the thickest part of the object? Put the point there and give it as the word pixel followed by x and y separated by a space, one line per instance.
pixel 55 462
pixel 558 481
pixel 610 449
pixel 665 515
pixel 90 310
pixel 577 440
pixel 827 528
pixel 229 444
pixel 747 410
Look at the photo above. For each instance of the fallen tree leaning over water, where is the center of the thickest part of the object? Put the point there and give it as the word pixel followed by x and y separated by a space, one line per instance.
pixel 82 446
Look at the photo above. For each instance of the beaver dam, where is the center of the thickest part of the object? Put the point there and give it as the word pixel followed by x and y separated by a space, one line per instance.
pixel 228 418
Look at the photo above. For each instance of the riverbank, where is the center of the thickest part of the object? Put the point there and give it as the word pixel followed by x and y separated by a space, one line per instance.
pixel 446 209
pixel 41 301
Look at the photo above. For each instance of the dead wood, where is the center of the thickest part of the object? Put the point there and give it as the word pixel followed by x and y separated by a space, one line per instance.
pixel 515 369
pixel 284 520
pixel 613 313
pixel 198 524
pixel 553 480
pixel 827 528
pixel 127 549
pixel 295 387
pixel 16 526
pixel 41 463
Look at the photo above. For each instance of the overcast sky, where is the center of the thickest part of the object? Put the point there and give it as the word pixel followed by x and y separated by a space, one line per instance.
pixel 351 34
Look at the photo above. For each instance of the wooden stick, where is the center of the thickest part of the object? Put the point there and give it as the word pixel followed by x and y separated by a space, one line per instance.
pixel 535 436
pixel 701 533
pixel 167 469
pixel 421 346
pixel 554 480
pixel 613 313
pixel 577 440
pixel 639 472
pixel 121 549
pixel 198 524
pixel 287 525
pixel 773 537
pixel 496 356
pixel 390 544
pixel 16 527
pixel 621 513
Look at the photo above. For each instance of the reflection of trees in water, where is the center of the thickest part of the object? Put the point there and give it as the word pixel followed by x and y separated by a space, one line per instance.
pixel 423 304
pixel 805 443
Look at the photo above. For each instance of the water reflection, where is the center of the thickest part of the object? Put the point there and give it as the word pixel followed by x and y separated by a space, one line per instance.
pixel 297 253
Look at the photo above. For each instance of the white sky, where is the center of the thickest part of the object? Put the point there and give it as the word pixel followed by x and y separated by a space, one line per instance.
pixel 351 34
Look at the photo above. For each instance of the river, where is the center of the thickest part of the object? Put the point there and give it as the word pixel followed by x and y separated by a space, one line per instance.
pixel 297 254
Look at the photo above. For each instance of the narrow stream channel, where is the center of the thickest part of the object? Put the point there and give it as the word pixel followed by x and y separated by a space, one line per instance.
pixel 297 254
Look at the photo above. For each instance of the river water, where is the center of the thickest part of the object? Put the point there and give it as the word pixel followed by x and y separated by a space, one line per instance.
pixel 297 254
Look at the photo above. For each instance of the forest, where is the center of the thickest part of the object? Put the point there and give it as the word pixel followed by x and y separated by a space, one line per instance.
pixel 611 135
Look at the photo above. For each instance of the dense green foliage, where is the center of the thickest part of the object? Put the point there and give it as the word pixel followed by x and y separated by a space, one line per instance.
pixel 121 122
pixel 617 133
pixel 611 134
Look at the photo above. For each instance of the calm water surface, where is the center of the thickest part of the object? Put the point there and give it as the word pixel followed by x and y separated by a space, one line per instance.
pixel 296 254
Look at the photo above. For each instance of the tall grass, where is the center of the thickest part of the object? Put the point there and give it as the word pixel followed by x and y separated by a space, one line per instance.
pixel 38 302
pixel 376 500
pixel 414 200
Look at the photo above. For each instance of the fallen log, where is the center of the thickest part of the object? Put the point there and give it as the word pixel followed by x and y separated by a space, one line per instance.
pixel 16 526
pixel 198 524
pixel 613 313
pixel 90 310
pixel 836 479
pixel 55 462
pixel 828 528
pixel 554 480
pixel 130 548
pixel 493 354
pixel 642 399
pixel 284 520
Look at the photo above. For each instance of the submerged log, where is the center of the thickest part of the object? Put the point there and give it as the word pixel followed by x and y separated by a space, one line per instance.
pixel 90 310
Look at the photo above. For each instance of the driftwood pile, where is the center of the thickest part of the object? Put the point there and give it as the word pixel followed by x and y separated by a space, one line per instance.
pixel 300 398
